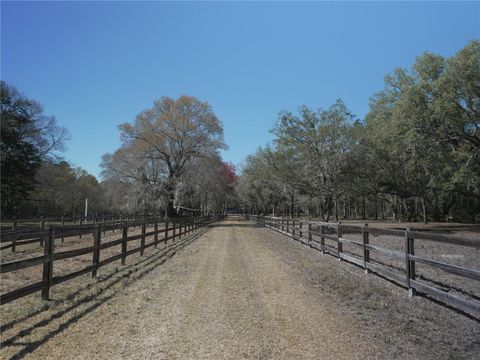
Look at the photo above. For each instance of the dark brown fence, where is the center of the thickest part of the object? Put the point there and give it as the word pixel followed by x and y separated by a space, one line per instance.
pixel 171 230
pixel 329 238
pixel 44 222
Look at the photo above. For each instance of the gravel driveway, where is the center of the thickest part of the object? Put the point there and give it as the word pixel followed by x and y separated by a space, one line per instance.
pixel 229 294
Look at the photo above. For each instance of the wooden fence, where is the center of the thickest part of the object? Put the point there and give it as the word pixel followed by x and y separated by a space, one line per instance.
pixel 315 234
pixel 44 222
pixel 173 229
pixel 28 234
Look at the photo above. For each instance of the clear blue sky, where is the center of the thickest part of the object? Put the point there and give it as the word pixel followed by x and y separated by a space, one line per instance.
pixel 94 65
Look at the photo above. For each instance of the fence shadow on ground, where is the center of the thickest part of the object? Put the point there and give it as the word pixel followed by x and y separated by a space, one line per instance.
pixel 126 275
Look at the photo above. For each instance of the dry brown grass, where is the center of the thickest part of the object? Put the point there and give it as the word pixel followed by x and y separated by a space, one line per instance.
pixel 462 256
pixel 29 322
pixel 237 292
pixel 414 328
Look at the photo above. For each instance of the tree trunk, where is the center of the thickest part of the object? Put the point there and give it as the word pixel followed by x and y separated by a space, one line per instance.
pixel 328 207
pixel 336 210
pixel 394 208
pixel 424 211
pixel 382 204
pixel 364 203
pixel 321 211
pixel 170 209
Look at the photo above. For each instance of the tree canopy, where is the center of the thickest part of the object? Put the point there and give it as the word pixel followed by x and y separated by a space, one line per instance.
pixel 417 151
pixel 161 148
pixel 28 138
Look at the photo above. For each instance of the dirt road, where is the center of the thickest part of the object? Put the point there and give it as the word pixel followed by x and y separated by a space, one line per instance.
pixel 227 295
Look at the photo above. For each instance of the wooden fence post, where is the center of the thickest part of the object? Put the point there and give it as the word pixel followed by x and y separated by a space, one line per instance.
pixel 124 242
pixel 63 224
pixel 166 232
pixel 293 229
pixel 300 232
pixel 155 230
pixel 410 264
pixel 48 264
pixel 14 227
pixel 42 226
pixel 366 252
pixel 142 239
pixel 81 223
pixel 322 239
pixel 310 234
pixel 97 237
pixel 174 223
pixel 339 244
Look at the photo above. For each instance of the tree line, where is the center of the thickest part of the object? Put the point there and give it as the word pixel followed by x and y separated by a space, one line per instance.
pixel 415 156
pixel 168 163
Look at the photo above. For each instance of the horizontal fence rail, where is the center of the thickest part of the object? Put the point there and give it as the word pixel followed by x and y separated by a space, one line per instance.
pixel 314 234
pixel 44 222
pixel 173 229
